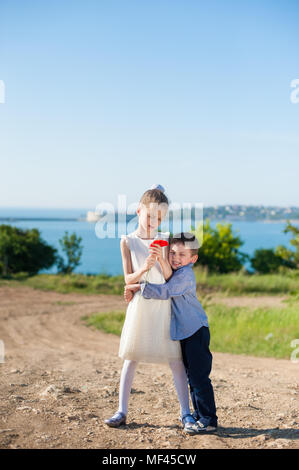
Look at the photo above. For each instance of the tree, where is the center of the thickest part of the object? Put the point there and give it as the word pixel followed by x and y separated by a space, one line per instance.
pixel 71 247
pixel 266 261
pixel 23 251
pixel 220 248
pixel 291 257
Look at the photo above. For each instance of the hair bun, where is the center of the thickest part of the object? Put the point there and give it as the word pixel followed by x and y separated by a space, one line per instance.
pixel 158 186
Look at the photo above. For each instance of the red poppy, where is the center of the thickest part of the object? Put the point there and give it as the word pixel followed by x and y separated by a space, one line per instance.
pixel 159 242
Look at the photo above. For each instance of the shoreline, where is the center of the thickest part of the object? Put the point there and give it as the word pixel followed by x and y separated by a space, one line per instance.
pixel 58 219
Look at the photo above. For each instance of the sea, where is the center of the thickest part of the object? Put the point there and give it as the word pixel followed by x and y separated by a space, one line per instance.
pixel 101 244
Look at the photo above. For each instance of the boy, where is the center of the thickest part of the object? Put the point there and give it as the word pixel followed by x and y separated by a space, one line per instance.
pixel 189 324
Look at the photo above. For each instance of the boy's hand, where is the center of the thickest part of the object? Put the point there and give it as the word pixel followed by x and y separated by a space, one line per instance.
pixel 130 290
pixel 156 251
pixel 128 295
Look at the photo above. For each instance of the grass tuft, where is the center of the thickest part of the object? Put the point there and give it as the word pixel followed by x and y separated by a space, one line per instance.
pixel 265 332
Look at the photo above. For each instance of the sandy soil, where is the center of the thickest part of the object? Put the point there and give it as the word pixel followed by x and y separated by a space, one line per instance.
pixel 60 381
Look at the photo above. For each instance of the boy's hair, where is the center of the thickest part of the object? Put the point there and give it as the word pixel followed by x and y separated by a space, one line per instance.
pixel 188 239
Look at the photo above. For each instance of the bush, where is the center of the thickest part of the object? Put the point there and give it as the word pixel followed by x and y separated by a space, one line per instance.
pixel 21 276
pixel 220 248
pixel 23 251
pixel 71 246
pixel 266 261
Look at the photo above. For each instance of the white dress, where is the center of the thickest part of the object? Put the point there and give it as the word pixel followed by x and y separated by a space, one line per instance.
pixel 145 335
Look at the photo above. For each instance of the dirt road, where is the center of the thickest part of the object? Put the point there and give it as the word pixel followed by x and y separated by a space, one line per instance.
pixel 60 381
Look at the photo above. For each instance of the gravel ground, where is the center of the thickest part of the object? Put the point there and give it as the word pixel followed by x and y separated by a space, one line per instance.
pixel 60 381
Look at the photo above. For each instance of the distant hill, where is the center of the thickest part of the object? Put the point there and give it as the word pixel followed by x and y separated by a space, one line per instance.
pixel 249 213
pixel 241 212
pixel 232 212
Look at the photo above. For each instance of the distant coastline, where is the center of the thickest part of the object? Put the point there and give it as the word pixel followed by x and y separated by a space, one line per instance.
pixel 40 219
pixel 266 221
pixel 81 219
pixel 225 213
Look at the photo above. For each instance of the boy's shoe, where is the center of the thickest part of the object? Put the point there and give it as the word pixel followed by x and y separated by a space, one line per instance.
pixel 204 427
pixel 189 424
pixel 118 419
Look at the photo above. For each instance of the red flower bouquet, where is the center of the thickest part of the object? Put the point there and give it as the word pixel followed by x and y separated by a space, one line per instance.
pixel 159 242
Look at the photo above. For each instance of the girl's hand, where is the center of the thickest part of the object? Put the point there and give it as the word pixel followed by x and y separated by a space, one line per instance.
pixel 157 252
pixel 149 262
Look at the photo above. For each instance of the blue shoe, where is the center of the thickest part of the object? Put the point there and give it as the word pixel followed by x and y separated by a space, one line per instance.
pixel 118 419
pixel 189 424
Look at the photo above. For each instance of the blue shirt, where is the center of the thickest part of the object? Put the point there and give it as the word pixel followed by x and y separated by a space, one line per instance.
pixel 187 313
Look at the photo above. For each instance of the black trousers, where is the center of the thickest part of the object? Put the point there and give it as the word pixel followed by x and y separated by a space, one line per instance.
pixel 197 359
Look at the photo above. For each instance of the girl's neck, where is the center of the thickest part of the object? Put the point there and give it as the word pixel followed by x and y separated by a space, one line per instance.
pixel 145 235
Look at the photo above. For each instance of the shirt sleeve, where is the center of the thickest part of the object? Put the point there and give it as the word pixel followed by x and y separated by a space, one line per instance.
pixel 179 284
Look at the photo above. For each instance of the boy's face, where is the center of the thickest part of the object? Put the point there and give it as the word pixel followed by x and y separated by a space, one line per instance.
pixel 180 256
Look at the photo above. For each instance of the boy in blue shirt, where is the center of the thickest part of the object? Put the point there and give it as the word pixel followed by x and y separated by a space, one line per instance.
pixel 189 325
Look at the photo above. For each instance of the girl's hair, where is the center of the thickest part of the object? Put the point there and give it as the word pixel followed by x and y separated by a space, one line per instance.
pixel 154 195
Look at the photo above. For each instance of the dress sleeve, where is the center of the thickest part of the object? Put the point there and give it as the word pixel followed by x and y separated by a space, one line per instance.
pixel 125 237
pixel 165 235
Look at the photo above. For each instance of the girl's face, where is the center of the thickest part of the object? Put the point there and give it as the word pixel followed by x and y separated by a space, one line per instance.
pixel 151 216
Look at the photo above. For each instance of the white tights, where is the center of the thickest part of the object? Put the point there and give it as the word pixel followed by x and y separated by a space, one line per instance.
pixel 179 379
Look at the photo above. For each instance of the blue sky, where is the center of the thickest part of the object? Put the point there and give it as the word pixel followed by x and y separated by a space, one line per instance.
pixel 107 97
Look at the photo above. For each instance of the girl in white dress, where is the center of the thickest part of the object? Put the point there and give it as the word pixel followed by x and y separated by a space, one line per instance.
pixel 146 331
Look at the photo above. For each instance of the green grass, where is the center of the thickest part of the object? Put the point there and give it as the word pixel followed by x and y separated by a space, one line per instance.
pixel 67 283
pixel 234 283
pixel 245 284
pixel 110 322
pixel 239 330
pixel 265 332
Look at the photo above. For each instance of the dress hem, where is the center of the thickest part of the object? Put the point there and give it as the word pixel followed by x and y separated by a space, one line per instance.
pixel 150 360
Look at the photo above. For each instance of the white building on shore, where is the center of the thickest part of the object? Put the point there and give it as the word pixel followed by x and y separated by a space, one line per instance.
pixel 92 216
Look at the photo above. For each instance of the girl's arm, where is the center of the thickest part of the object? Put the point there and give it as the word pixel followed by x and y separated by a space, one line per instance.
pixel 130 276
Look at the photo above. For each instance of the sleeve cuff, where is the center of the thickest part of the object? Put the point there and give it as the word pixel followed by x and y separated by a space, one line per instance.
pixel 142 286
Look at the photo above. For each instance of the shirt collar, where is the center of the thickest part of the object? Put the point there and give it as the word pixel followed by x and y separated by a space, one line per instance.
pixel 189 265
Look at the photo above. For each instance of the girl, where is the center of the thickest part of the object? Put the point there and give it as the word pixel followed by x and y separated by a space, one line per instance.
pixel 145 335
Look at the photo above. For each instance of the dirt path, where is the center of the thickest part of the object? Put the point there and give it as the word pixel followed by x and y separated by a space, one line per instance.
pixel 249 301
pixel 60 380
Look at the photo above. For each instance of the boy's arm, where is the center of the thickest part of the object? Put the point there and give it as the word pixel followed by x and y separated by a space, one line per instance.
pixel 179 284
pixel 130 290
pixel 166 268
pixel 157 251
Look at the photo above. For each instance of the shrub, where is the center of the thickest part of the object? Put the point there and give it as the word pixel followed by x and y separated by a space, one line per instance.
pixel 220 248
pixel 23 251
